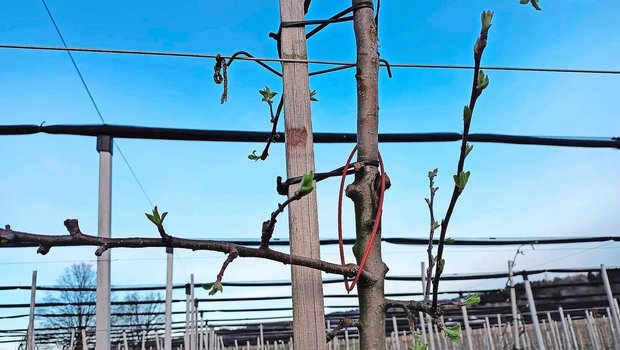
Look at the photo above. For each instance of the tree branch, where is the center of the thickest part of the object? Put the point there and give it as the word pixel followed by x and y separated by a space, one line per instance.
pixel 430 201
pixel 344 323
pixel 77 238
pixel 480 82
pixel 231 256
pixel 411 306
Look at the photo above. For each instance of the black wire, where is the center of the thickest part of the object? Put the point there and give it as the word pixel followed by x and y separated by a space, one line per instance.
pixel 394 65
pixel 152 133
pixel 247 54
pixel 92 99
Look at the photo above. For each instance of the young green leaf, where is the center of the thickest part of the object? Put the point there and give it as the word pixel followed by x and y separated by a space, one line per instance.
pixel 461 179
pixel 418 346
pixel 267 94
pixel 449 240
pixel 307 184
pixel 428 202
pixel 253 156
pixel 417 342
pixel 217 287
pixel 533 2
pixel 151 218
pixel 435 225
pixel 313 96
pixel 163 216
pixel 472 300
pixel 453 333
pixel 208 286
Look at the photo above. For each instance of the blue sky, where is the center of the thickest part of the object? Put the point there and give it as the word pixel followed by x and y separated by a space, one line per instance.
pixel 212 191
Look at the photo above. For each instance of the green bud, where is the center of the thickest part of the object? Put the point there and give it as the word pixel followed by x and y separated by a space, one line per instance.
pixel 486 18
pixel 307 184
pixel 466 114
pixel 482 81
pixel 433 173
pixel 468 149
pixel 313 96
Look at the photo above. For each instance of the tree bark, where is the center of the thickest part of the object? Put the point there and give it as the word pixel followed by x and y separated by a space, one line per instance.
pixel 364 191
pixel 307 285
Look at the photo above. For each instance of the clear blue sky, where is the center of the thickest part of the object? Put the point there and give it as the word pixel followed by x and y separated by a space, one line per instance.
pixel 212 191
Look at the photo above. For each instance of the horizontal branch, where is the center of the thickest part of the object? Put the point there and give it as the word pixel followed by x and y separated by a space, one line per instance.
pixel 77 238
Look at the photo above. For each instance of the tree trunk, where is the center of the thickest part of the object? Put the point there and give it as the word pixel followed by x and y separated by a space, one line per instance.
pixel 364 191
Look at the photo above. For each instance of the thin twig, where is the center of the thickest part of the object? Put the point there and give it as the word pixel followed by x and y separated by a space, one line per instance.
pixel 274 121
pixel 344 323
pixel 231 256
pixel 269 225
pixel 433 225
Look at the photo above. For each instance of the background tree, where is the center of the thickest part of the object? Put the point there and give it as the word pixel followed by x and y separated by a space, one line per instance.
pixel 137 314
pixel 74 308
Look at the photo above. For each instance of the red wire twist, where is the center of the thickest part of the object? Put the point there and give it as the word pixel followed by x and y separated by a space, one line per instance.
pixel 349 286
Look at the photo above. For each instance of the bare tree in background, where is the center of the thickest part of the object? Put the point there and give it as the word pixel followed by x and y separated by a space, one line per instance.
pixel 138 313
pixel 76 305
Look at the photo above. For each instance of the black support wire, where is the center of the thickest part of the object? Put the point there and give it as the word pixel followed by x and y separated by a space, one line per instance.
pixel 153 133
pixel 448 277
pixel 92 100
pixel 321 62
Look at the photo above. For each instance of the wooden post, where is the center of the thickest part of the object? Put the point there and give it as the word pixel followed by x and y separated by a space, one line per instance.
pixel 307 287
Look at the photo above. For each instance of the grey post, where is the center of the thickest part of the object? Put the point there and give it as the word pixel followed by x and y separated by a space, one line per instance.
pixel 612 307
pixel 513 304
pixel 102 337
pixel 33 294
pixel 168 317
pixel 540 342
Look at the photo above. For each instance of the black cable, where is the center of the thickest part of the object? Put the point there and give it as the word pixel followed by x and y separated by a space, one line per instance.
pixel 153 133
pixel 290 60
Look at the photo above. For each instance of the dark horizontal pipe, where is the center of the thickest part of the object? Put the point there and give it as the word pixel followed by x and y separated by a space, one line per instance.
pixel 152 133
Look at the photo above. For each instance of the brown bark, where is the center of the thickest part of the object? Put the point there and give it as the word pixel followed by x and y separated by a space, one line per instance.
pixel 364 190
